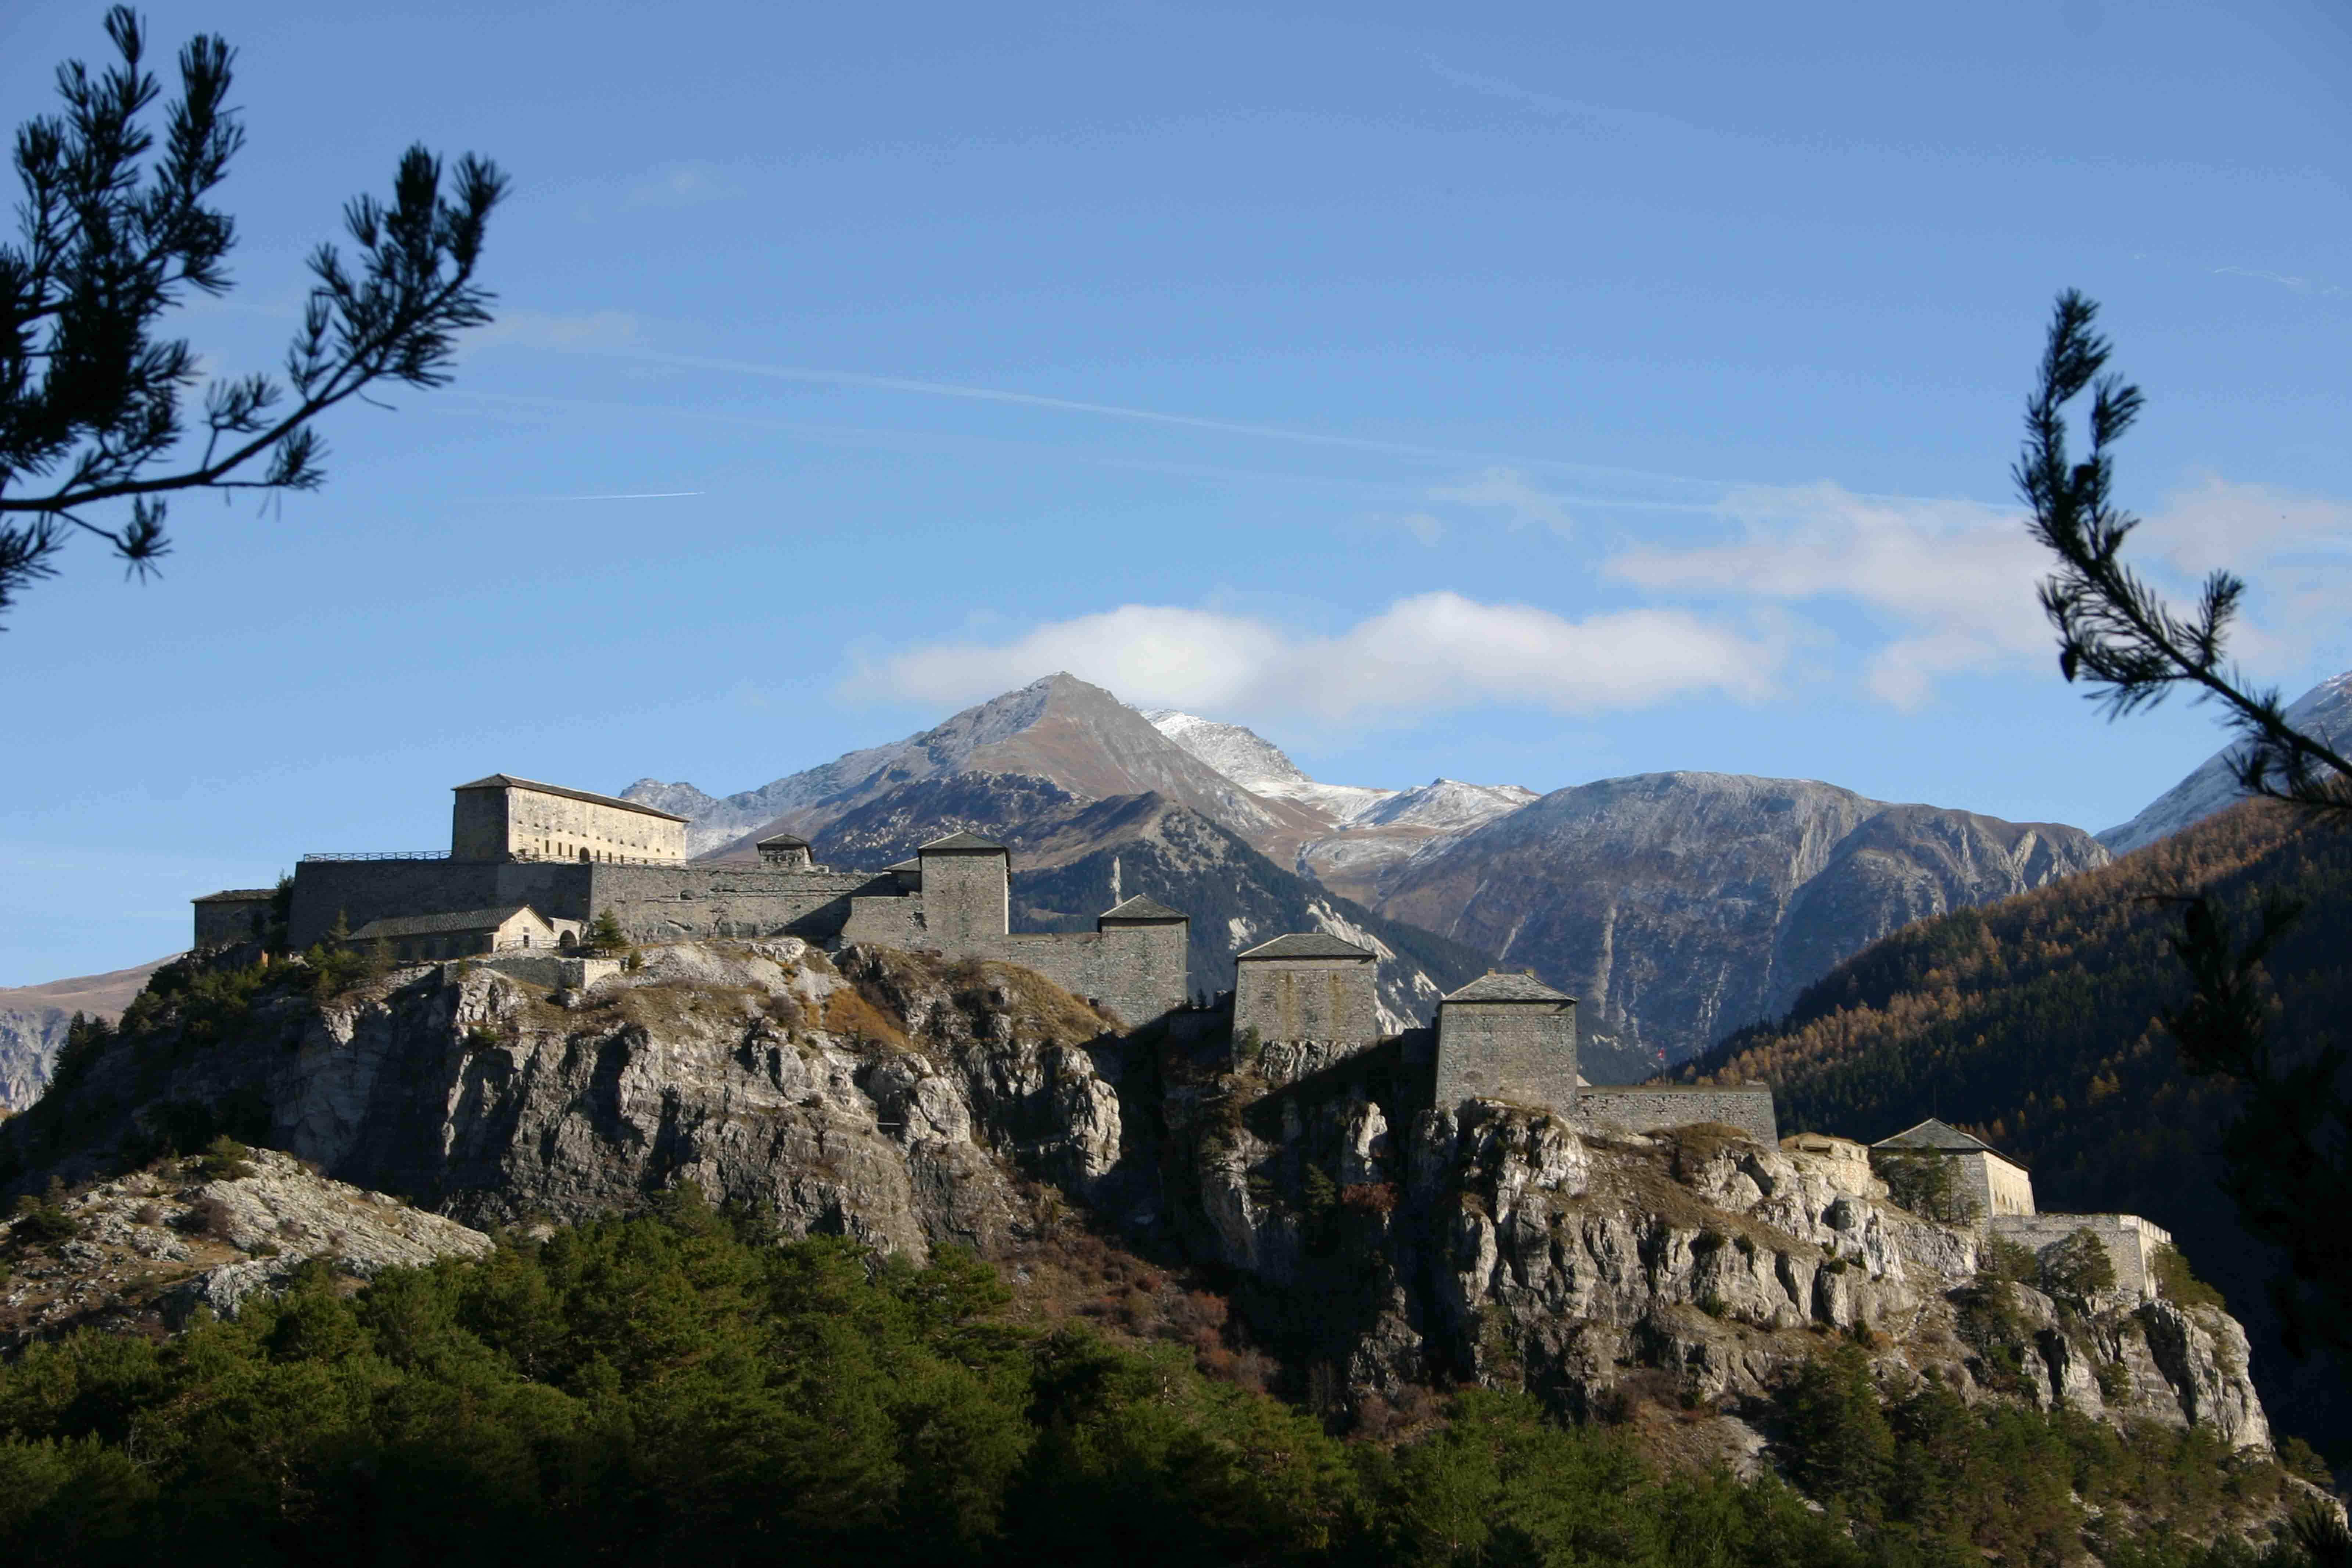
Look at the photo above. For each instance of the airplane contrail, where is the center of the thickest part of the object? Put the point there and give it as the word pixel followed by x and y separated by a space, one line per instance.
pixel 626 495
pixel 1144 416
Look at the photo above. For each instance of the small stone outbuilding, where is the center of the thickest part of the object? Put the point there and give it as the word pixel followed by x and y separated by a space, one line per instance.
pixel 469 933
pixel 232 915
pixel 1996 1184
pixel 787 850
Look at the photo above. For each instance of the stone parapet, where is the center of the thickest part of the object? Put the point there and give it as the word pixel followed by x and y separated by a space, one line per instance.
pixel 1652 1108
pixel 2132 1243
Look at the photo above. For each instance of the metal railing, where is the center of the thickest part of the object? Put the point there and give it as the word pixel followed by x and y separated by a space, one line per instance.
pixel 537 859
pixel 382 854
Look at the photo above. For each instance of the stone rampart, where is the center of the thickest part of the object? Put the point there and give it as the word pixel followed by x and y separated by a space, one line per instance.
pixel 1652 1108
pixel 673 903
pixel 2132 1243
pixel 1134 973
pixel 653 903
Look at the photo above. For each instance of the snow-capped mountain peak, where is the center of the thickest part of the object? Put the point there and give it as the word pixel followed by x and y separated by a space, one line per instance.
pixel 1242 755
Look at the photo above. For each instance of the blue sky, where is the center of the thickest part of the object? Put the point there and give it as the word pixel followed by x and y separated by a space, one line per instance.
pixel 1540 395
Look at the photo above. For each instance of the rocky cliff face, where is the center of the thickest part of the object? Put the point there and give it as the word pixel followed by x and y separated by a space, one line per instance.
pixel 1681 906
pixel 1377 1244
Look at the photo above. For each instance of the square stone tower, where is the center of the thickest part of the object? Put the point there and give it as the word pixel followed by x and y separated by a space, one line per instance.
pixel 1306 986
pixel 1507 1036
pixel 967 892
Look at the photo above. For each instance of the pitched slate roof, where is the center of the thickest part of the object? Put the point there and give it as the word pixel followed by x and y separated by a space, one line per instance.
pixel 792 838
pixel 508 781
pixel 1305 944
pixel 1940 1136
pixel 236 895
pixel 1139 908
pixel 912 863
pixel 1499 987
pixel 954 842
pixel 457 920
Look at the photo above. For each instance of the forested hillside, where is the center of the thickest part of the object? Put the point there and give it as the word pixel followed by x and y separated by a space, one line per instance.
pixel 2033 1021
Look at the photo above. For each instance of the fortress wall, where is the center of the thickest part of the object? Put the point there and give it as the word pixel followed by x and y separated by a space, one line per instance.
pixel 364 890
pixel 1325 999
pixel 886 920
pixel 664 903
pixel 1653 1108
pixel 2131 1242
pixel 1523 1051
pixel 1136 973
pixel 653 903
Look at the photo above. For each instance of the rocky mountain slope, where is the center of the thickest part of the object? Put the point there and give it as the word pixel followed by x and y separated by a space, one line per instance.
pixel 1681 906
pixel 1379 1246
pixel 1088 742
pixel 2033 1019
pixel 2325 711
pixel 33 1020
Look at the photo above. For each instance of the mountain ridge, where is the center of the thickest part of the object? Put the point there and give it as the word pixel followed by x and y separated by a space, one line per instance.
pixel 2325 711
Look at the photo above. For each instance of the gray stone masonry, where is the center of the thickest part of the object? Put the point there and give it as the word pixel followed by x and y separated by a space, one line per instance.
pixel 2132 1243
pixel 1306 989
pixel 1653 1108
pixel 1507 1036
pixel 967 890
pixel 231 915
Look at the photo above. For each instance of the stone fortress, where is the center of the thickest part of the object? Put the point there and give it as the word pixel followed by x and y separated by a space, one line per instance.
pixel 531 865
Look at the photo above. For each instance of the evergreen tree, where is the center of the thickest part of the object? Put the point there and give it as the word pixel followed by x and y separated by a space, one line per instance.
pixel 90 408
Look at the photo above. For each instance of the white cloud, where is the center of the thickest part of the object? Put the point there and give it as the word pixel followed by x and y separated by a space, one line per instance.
pixel 1957 578
pixel 1953 582
pixel 1429 652
pixel 687 185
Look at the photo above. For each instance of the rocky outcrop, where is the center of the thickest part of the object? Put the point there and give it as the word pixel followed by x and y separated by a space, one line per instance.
pixel 147 1250
pixel 1678 907
pixel 883 1097
pixel 1375 1242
